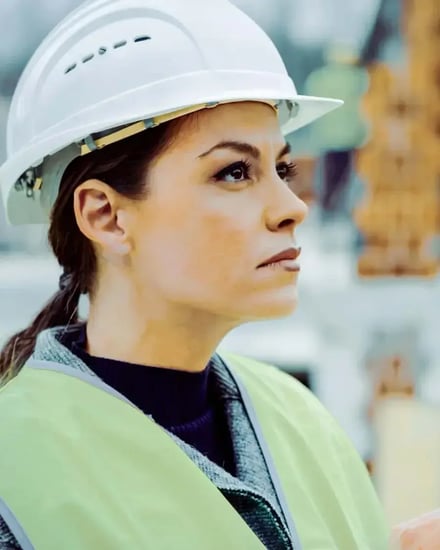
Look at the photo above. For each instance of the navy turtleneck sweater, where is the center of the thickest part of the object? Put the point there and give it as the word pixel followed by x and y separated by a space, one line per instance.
pixel 184 403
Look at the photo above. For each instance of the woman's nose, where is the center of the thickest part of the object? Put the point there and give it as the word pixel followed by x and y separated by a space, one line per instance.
pixel 286 209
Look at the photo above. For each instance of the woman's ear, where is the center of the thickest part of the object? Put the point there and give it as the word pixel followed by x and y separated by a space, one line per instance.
pixel 99 214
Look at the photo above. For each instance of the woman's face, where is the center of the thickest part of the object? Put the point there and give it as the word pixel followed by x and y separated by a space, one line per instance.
pixel 218 206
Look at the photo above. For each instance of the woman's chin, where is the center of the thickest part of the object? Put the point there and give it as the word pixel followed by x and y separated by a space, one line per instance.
pixel 274 306
pixel 280 311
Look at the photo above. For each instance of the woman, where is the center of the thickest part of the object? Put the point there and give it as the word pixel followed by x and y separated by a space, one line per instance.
pixel 149 133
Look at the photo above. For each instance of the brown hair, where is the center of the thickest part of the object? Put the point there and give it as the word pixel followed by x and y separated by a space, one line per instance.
pixel 123 166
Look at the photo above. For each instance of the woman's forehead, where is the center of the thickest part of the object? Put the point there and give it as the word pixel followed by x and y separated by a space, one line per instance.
pixel 248 121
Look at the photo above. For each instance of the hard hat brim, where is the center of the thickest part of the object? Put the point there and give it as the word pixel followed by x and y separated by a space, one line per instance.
pixel 310 109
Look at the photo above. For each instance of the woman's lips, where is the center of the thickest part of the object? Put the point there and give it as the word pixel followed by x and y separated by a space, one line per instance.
pixel 286 265
pixel 286 260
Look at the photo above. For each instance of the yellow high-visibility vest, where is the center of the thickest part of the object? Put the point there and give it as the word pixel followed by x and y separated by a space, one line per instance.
pixel 83 469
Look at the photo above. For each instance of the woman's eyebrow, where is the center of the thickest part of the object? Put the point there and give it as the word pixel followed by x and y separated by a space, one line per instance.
pixel 243 147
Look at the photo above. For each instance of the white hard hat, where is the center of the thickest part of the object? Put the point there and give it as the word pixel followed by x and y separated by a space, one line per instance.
pixel 120 66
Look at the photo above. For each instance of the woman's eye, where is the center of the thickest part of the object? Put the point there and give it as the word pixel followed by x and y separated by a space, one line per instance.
pixel 235 173
pixel 287 171
pixel 239 172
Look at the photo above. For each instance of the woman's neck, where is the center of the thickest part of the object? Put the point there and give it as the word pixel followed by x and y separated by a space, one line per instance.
pixel 166 336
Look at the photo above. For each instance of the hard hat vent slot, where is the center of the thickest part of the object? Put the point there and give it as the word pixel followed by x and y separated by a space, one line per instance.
pixel 102 50
pixel 120 44
pixel 70 68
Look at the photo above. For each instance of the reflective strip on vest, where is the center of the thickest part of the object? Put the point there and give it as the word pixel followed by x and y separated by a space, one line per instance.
pixel 14 527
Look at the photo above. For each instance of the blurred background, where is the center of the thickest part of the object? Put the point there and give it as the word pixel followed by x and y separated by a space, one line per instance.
pixel 366 336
